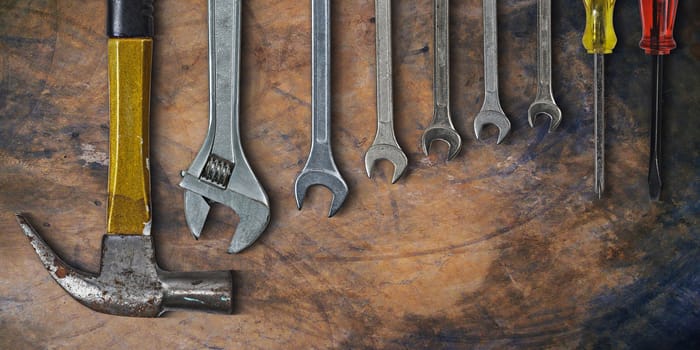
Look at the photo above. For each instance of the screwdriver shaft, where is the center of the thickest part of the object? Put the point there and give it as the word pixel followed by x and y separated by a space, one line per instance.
pixel 655 132
pixel 599 123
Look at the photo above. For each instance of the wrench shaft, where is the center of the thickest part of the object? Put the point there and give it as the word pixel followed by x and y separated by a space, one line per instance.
pixel 491 98
pixel 544 52
pixel 441 84
pixel 321 71
pixel 384 73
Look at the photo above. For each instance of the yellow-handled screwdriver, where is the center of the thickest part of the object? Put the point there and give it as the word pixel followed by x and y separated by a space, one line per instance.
pixel 599 39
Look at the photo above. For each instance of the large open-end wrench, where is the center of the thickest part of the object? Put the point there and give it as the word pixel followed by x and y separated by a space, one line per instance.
pixel 220 172
pixel 544 101
pixel 320 168
pixel 385 145
pixel 441 127
pixel 491 111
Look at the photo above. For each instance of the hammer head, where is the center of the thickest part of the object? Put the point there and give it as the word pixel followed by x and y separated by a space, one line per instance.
pixel 130 283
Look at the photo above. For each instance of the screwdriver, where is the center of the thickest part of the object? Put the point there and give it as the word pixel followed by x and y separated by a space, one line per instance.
pixel 658 17
pixel 599 39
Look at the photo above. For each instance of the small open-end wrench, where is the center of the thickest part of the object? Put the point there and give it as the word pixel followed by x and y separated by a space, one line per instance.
pixel 385 145
pixel 220 172
pixel 491 111
pixel 320 168
pixel 544 101
pixel 441 127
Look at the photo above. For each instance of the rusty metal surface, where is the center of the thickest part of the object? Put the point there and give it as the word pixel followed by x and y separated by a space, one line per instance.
pixel 502 247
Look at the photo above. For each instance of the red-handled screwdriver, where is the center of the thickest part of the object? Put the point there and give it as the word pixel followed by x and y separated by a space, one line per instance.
pixel 658 17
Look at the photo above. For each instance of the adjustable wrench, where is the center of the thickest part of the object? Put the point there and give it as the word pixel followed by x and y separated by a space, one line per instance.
pixel 320 168
pixel 385 145
pixel 220 172
pixel 544 101
pixel 491 111
pixel 441 127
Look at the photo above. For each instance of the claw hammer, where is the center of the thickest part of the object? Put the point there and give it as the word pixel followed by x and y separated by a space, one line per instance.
pixel 130 282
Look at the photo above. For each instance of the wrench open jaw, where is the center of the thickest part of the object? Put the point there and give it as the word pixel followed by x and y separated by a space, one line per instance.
pixel 444 133
pixel 547 108
pixel 391 153
pixel 332 180
pixel 496 118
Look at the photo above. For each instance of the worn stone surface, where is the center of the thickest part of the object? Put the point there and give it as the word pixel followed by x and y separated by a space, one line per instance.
pixel 501 248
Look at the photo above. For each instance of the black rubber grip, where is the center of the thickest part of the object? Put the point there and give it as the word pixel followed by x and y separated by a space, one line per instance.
pixel 130 18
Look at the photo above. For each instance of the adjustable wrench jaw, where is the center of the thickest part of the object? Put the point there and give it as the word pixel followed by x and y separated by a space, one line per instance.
pixel 244 195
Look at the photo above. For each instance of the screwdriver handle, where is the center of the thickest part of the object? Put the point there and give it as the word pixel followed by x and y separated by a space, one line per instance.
pixel 599 36
pixel 658 18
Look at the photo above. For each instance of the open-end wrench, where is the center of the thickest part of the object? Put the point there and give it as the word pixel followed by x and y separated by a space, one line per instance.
pixel 385 145
pixel 441 127
pixel 220 172
pixel 544 101
pixel 491 111
pixel 320 168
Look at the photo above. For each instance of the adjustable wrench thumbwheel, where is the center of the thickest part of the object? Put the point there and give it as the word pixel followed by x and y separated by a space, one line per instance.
pixel 220 173
pixel 385 145
pixel 320 168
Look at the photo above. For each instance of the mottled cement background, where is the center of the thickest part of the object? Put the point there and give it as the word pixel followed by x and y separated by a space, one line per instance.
pixel 501 248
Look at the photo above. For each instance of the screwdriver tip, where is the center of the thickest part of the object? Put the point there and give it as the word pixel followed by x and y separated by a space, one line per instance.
pixel 654 184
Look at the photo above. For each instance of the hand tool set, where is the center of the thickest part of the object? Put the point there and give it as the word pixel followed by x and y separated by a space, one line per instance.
pixel 131 283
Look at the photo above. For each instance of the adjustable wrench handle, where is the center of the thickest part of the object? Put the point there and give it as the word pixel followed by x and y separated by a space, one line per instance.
pixel 224 59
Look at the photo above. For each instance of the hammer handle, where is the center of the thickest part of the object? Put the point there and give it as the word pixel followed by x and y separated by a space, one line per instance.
pixel 130 47
pixel 129 204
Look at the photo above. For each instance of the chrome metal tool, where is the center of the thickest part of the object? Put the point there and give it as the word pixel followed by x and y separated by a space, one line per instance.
pixel 491 111
pixel 320 168
pixel 441 127
pixel 385 145
pixel 544 101
pixel 220 172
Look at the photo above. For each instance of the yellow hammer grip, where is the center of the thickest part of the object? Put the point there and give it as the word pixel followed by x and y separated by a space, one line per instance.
pixel 128 203
pixel 599 36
